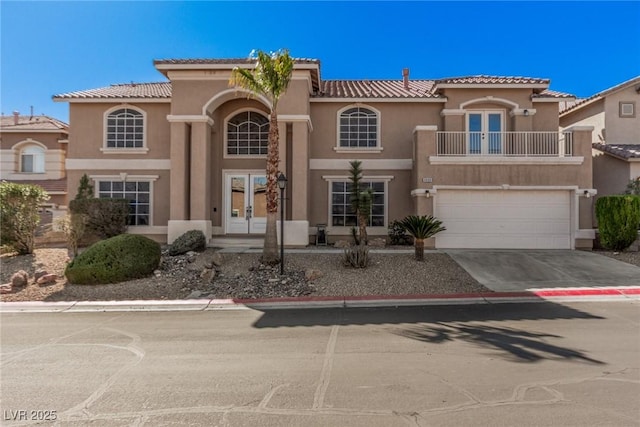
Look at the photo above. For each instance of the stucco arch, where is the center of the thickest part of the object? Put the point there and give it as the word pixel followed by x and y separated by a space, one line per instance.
pixel 27 142
pixel 228 95
pixel 492 99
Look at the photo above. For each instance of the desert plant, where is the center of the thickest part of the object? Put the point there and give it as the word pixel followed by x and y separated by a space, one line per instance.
pixel 19 204
pixel 192 240
pixel 633 187
pixel 120 258
pixel 360 199
pixel 618 221
pixel 85 189
pixel 270 78
pixel 356 256
pixel 105 217
pixel 397 234
pixel 421 228
pixel 73 226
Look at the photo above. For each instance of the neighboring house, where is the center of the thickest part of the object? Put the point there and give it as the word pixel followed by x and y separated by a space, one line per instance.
pixel 33 151
pixel 616 139
pixel 482 153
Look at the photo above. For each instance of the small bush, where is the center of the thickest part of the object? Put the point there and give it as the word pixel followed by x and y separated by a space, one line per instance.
pixel 192 240
pixel 618 221
pixel 105 217
pixel 73 227
pixel 356 256
pixel 19 218
pixel 397 234
pixel 120 258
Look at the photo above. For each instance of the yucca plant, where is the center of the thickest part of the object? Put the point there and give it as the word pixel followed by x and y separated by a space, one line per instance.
pixel 421 227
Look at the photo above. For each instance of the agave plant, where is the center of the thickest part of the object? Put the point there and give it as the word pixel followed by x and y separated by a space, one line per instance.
pixel 421 227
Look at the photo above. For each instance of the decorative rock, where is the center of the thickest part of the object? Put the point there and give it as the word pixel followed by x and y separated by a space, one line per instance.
pixel 19 279
pixel 341 244
pixel 273 280
pixel 208 275
pixel 312 274
pixel 208 264
pixel 46 279
pixel 217 259
pixel 194 295
pixel 157 273
pixel 377 243
pixel 6 288
pixel 39 273
pixel 192 253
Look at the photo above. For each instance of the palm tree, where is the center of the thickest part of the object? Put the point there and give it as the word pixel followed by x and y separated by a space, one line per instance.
pixel 269 78
pixel 421 227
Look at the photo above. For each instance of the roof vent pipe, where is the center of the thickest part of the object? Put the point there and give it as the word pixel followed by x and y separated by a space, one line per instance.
pixel 16 118
pixel 405 78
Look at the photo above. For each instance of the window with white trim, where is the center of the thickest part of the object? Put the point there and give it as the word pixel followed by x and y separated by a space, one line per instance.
pixel 248 134
pixel 125 129
pixel 358 128
pixel 32 159
pixel 342 213
pixel 137 192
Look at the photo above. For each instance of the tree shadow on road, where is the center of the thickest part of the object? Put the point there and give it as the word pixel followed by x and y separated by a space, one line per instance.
pixel 440 324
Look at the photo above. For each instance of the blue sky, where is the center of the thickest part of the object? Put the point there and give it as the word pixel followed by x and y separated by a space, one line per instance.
pixel 55 47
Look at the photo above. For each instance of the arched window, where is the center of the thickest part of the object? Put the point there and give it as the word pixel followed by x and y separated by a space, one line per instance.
pixel 125 129
pixel 32 159
pixel 248 134
pixel 358 128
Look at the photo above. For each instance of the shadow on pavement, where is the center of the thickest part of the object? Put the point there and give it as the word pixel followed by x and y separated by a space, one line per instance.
pixel 441 324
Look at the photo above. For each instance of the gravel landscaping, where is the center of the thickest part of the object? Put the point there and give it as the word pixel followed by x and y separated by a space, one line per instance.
pixel 242 276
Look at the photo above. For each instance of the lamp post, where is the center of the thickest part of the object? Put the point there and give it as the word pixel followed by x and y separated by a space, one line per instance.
pixel 282 184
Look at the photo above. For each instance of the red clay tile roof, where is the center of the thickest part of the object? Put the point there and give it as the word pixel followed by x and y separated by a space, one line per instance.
pixel 224 61
pixel 483 79
pixel 625 151
pixel 548 93
pixel 51 185
pixel 125 90
pixel 376 89
pixel 570 106
pixel 29 123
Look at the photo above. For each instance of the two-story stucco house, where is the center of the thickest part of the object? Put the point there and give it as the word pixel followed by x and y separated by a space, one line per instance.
pixel 481 153
pixel 33 151
pixel 616 138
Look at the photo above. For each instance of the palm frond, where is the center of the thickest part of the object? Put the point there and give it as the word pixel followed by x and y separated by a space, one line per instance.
pixel 422 227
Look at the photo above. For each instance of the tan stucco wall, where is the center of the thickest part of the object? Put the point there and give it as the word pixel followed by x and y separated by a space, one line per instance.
pixel 49 140
pixel 622 130
pixel 590 115
pixel 55 155
pixel 610 174
pixel 86 135
pixel 397 122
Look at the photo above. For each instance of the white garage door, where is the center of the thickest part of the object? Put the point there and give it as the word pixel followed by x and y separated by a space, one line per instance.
pixel 504 219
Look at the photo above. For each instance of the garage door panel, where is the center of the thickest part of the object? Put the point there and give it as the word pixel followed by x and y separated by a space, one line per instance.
pixel 504 219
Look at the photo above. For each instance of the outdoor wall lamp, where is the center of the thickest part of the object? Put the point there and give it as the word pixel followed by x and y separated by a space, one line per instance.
pixel 427 193
pixel 587 194
pixel 282 184
pixel 526 113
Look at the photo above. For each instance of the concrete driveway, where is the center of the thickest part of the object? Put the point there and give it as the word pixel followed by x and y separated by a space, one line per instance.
pixel 519 270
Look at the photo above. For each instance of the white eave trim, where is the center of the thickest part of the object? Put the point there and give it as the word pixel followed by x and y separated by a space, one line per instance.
pixel 507 187
pixel 226 66
pixel 579 129
pixel 452 112
pixel 479 160
pixel 9 130
pixel 367 164
pixel 491 85
pixel 549 99
pixel 373 100
pixel 296 118
pixel 113 100
pixel 118 164
pixel 420 128
pixel 189 118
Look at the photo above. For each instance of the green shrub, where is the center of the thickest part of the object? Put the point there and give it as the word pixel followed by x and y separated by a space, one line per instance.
pixel 105 217
pixel 618 221
pixel 19 204
pixel 421 228
pixel 192 240
pixel 633 187
pixel 120 258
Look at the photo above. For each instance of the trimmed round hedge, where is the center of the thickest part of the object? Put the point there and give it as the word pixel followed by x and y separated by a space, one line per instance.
pixel 120 258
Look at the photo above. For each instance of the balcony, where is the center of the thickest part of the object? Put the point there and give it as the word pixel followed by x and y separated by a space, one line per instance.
pixel 494 145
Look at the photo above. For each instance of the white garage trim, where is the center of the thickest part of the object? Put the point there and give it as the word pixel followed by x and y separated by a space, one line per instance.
pixel 506 217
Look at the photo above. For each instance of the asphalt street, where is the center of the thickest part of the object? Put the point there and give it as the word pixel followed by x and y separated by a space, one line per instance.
pixel 543 364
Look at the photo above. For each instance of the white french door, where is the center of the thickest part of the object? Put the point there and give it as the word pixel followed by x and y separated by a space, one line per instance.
pixel 246 203
pixel 484 132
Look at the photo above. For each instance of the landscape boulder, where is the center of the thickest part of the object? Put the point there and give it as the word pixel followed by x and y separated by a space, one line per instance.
pixel 312 274
pixel 19 279
pixel 341 244
pixel 192 240
pixel 47 279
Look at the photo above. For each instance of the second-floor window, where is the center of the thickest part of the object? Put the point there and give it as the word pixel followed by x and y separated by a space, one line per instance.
pixel 125 129
pixel 358 128
pixel 248 134
pixel 32 160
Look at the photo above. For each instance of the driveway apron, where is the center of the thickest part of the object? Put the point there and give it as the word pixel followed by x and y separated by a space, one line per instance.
pixel 519 270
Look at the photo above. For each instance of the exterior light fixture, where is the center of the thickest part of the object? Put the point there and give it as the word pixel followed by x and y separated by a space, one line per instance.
pixel 282 184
